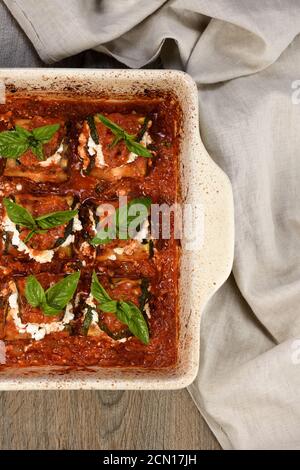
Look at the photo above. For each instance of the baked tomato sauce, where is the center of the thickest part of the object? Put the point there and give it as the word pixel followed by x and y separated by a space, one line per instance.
pixel 77 175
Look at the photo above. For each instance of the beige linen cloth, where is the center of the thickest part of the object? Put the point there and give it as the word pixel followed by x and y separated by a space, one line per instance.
pixel 245 57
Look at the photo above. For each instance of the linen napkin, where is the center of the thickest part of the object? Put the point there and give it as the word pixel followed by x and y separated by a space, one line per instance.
pixel 245 58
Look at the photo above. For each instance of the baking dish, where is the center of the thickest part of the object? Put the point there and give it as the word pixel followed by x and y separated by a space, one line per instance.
pixel 202 269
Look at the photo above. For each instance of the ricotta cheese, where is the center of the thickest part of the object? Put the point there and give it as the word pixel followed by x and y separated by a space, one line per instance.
pixel 36 330
pixel 119 250
pixel 92 220
pixel 44 256
pixel 77 225
pixel 146 140
pixel 147 310
pixel 91 303
pixel 70 239
pixel 96 149
pixel 144 232
pixel 55 158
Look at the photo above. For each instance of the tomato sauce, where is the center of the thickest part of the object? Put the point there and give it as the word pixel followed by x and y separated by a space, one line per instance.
pixel 159 181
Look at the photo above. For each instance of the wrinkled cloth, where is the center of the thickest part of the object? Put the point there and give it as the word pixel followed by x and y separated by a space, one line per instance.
pixel 245 59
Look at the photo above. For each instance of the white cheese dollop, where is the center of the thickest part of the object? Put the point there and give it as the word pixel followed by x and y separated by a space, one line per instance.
pixel 119 250
pixel 92 220
pixel 93 149
pixel 146 140
pixel 91 303
pixel 55 158
pixel 147 310
pixel 36 330
pixel 77 225
pixel 44 256
pixel 144 232
pixel 70 239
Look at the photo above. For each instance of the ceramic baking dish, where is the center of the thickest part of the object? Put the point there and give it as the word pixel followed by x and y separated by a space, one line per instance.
pixel 202 269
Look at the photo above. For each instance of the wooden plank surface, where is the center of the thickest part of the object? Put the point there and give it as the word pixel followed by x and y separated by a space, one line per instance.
pixel 102 420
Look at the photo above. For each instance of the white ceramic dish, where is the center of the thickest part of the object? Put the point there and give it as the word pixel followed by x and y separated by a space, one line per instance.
pixel 202 270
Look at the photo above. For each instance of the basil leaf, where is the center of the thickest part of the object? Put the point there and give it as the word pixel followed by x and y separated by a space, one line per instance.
pixel 50 311
pixel 37 149
pixel 117 130
pixel 87 320
pixel 124 219
pixel 137 148
pixel 55 219
pixel 131 315
pixel 126 312
pixel 61 293
pixel 109 307
pixel 98 291
pixel 143 129
pixel 145 295
pixel 130 140
pixel 12 144
pixel 18 214
pixel 115 142
pixel 93 129
pixel 55 299
pixel 100 241
pixel 45 133
pixel 22 131
pixel 123 210
pixel 34 292
pixel 29 236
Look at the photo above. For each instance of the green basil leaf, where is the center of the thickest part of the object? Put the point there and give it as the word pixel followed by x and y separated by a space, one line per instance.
pixel 61 293
pixel 87 320
pixel 23 132
pixel 50 311
pixel 143 129
pixel 131 315
pixel 34 292
pixel 117 130
pixel 29 236
pixel 37 149
pixel 45 133
pixel 12 144
pixel 116 140
pixel 124 219
pixel 100 241
pixel 130 141
pixel 93 129
pixel 18 214
pixel 126 312
pixel 109 306
pixel 137 148
pixel 55 219
pixel 109 236
pixel 145 295
pixel 98 291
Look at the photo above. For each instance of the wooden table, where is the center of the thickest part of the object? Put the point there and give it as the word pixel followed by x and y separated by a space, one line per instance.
pixel 102 420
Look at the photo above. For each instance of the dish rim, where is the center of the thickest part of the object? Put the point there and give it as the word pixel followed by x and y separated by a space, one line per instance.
pixel 217 202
